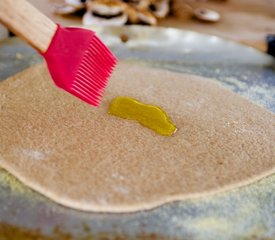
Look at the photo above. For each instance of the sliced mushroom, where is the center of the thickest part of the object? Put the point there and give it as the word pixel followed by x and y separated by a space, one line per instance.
pixel 207 15
pixel 105 13
pixel 89 19
pixel 159 8
pixel 132 14
pixel 69 7
pixel 63 9
pixel 147 17
pixel 76 3
pixel 138 4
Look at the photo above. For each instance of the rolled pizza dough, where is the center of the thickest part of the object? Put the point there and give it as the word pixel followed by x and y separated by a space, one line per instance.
pixel 83 158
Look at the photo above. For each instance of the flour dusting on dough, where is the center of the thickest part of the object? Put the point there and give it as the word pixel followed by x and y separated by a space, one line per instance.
pixel 33 154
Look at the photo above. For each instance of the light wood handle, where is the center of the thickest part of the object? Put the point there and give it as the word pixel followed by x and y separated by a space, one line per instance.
pixel 27 22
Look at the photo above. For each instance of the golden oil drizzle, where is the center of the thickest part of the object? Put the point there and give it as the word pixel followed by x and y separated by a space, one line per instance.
pixel 149 116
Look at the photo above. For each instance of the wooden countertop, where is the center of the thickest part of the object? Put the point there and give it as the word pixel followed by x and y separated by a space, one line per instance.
pixel 246 21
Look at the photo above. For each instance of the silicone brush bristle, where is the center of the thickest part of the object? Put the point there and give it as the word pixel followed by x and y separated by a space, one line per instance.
pixel 80 63
pixel 93 73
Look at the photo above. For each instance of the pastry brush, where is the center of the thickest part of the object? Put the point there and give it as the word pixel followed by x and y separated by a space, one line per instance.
pixel 76 58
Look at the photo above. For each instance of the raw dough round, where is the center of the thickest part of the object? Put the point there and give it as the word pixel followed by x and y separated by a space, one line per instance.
pixel 83 158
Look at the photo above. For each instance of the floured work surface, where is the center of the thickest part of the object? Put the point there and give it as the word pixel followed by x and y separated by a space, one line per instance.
pixel 84 158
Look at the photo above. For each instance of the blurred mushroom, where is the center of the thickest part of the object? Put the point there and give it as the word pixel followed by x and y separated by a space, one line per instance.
pixel 206 15
pixel 120 12
pixel 159 8
pixel 76 3
pixel 105 13
pixel 63 9
pixel 139 16
pixel 132 14
pixel 138 4
pixel 147 17
pixel 69 7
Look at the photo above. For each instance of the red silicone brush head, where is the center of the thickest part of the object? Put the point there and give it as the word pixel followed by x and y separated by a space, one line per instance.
pixel 80 63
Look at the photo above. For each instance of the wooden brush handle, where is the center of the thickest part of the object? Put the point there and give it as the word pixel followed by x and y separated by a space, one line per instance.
pixel 27 22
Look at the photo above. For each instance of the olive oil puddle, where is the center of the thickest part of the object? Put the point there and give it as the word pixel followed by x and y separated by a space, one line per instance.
pixel 149 116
